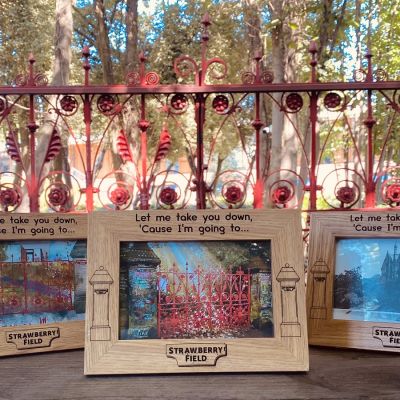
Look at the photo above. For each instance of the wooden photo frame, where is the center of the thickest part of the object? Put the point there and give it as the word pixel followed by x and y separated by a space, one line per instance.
pixel 353 280
pixel 161 297
pixel 42 282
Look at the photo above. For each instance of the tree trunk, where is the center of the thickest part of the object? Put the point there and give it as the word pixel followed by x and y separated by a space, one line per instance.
pixel 61 71
pixel 284 65
pixel 62 42
pixel 131 118
pixel 131 35
pixel 278 68
pixel 103 42
pixel 253 29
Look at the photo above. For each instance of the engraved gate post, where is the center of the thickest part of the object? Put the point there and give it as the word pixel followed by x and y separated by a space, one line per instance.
pixel 319 272
pixel 101 281
pixel 288 279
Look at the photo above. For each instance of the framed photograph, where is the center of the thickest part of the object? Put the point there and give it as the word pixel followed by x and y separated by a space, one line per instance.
pixel 353 280
pixel 42 282
pixel 195 291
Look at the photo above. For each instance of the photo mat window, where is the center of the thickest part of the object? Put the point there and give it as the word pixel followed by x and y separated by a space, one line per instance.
pixel 195 289
pixel 367 279
pixel 42 281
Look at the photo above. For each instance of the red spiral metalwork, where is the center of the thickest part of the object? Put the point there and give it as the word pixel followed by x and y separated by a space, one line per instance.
pixel 220 104
pixel 285 188
pixel 9 197
pixel 172 190
pixel 229 189
pixel 133 78
pixel 293 102
pixel 179 103
pixel 212 65
pixel 333 101
pixel 267 77
pixel 21 80
pixel 140 77
pixel 233 194
pixel 120 196
pixel 200 138
pixel 151 79
pixel 345 193
pixel 31 78
pixel 69 105
pixel 380 75
pixel 11 194
pixel 282 194
pixel 40 79
pixel 116 194
pixel 106 104
pixel 392 193
pixel 58 195
pixel 360 75
pixel 248 78
pixel 185 66
pixel 168 196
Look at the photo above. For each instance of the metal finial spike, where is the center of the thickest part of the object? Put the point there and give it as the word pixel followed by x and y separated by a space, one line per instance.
pixel 312 48
pixel 257 55
pixel 142 57
pixel 86 52
pixel 206 19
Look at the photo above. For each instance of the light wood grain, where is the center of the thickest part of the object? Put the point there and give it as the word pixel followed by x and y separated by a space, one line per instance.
pixel 71 334
pixel 326 228
pixel 279 353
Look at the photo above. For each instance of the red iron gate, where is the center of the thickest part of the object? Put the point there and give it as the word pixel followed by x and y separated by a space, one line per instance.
pixel 345 146
pixel 201 303
pixel 36 287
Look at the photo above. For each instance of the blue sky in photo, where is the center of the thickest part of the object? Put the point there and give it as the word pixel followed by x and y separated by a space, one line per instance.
pixel 180 253
pixel 55 249
pixel 367 253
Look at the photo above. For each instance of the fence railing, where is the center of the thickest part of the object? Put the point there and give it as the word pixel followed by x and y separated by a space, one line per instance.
pixel 192 303
pixel 200 143
pixel 36 287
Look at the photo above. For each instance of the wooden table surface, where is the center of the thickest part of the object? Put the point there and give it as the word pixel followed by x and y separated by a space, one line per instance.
pixel 334 374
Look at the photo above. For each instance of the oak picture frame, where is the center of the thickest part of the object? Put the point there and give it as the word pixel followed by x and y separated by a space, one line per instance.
pixel 41 255
pixel 350 296
pixel 106 352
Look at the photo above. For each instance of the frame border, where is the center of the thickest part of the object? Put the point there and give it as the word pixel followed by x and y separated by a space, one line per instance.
pixel 286 351
pixel 67 335
pixel 325 229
